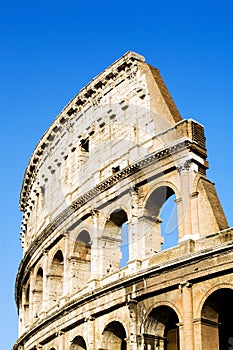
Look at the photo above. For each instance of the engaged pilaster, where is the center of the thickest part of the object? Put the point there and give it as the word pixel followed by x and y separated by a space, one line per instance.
pixel 187 216
pixel 187 301
pixel 95 258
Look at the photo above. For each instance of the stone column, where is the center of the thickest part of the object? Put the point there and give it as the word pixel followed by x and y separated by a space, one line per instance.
pixel 184 212
pixel 66 276
pixel 91 333
pixel 187 301
pixel 134 231
pixel 31 297
pixel 154 342
pixel 61 340
pixel 45 283
pixel 132 339
pixel 159 343
pixel 141 341
pixel 95 268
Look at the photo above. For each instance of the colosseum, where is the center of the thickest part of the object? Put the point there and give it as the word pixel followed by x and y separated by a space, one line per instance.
pixel 102 267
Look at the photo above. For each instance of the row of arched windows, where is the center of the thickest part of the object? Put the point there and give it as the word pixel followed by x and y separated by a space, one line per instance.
pixel 161 331
pixel 115 254
pixel 81 262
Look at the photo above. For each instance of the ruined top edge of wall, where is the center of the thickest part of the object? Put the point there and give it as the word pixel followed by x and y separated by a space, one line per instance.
pixel 90 96
pixel 68 109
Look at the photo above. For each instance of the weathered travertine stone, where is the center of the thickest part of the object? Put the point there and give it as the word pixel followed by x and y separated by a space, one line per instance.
pixel 102 172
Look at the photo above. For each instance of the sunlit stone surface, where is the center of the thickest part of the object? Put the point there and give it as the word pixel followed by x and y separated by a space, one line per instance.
pixel 94 273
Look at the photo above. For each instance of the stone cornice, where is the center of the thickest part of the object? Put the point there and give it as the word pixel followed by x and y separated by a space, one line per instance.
pixel 95 191
pixel 90 94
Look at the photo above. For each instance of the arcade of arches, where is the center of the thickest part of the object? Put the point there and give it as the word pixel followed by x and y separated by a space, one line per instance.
pixel 125 242
pixel 161 329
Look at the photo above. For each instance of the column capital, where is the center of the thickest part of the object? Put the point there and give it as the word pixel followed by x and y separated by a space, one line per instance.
pixel 66 233
pixel 131 301
pixel 45 252
pixel 207 322
pixel 184 167
pixel 94 212
pixel 89 318
pixel 186 284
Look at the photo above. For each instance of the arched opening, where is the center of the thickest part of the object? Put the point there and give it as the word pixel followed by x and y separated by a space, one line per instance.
pixel 124 247
pixel 161 330
pixel 38 292
pixel 78 343
pixel 161 219
pixel 113 337
pixel 115 242
pixel 169 226
pixel 56 277
pixel 216 320
pixel 81 260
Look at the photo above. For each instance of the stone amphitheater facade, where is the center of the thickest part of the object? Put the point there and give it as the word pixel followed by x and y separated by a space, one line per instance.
pixel 105 168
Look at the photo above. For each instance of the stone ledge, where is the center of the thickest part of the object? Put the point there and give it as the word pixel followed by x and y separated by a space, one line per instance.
pixel 100 188
pixel 141 275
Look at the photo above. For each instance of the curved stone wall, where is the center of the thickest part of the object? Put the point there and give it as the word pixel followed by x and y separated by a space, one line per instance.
pixel 94 274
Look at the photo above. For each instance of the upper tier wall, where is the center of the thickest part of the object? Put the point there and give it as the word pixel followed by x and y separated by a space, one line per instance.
pixel 109 125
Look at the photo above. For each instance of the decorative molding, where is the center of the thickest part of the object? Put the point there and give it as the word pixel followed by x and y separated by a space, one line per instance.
pixel 132 279
pixel 95 191
pixel 185 284
pixel 207 322
pixel 185 167
pixel 125 67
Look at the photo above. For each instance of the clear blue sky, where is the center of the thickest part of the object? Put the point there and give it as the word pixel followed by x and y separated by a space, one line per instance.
pixel 51 49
